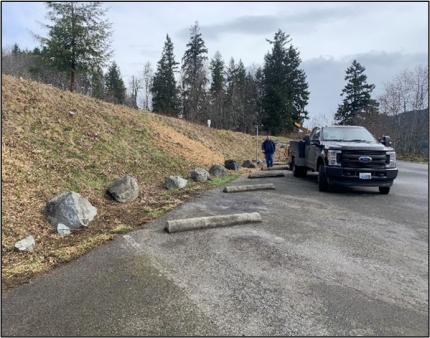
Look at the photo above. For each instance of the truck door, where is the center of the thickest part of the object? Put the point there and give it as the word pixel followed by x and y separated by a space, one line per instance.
pixel 313 149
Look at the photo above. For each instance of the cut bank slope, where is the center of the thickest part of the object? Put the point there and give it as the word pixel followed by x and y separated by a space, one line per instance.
pixel 56 141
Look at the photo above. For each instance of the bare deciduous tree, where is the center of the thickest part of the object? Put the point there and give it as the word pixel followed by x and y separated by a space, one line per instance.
pixel 148 77
pixel 135 87
pixel 404 108
pixel 408 91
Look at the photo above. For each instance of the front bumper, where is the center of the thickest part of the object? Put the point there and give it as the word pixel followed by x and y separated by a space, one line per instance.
pixel 350 176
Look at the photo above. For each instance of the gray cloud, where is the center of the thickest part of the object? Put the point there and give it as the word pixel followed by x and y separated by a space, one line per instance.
pixel 326 77
pixel 267 24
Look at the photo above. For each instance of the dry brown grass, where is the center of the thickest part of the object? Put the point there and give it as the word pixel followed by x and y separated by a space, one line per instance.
pixel 46 150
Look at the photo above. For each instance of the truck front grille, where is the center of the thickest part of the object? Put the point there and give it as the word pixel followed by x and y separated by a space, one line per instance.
pixel 351 159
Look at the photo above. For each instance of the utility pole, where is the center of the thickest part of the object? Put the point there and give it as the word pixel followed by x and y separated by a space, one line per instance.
pixel 256 145
pixel 256 142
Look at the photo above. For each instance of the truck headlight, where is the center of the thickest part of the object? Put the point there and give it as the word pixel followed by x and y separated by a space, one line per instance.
pixel 391 159
pixel 333 157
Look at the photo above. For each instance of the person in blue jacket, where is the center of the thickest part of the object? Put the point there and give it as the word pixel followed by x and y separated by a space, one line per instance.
pixel 269 148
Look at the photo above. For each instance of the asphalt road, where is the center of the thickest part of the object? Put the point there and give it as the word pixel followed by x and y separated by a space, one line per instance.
pixel 349 262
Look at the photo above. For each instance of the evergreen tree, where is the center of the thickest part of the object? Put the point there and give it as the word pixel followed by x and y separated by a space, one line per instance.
pixel 236 96
pixel 298 87
pixel 164 91
pixel 252 101
pixel 77 39
pixel 217 74
pixel 285 87
pixel 217 90
pixel 357 101
pixel 239 97
pixel 16 50
pixel 194 76
pixel 115 88
pixel 229 121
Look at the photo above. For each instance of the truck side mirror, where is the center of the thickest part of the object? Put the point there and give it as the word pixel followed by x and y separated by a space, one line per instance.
pixel 386 140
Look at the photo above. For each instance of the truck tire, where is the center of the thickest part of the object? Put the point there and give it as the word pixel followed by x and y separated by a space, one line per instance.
pixel 299 171
pixel 322 179
pixel 384 190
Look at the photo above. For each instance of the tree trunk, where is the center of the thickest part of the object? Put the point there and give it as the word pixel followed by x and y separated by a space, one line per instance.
pixel 72 80
pixel 73 68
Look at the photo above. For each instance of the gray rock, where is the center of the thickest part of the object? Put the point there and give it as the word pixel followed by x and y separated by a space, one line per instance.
pixel 26 244
pixel 71 209
pixel 175 182
pixel 199 175
pixel 63 230
pixel 124 189
pixel 218 170
pixel 231 165
pixel 249 164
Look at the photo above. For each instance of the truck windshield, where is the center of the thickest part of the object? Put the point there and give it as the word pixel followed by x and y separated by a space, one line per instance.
pixel 347 134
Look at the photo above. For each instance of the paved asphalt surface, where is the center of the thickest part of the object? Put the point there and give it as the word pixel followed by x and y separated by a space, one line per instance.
pixel 350 262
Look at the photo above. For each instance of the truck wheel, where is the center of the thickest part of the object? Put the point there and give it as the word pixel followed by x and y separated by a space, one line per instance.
pixel 384 190
pixel 299 171
pixel 304 171
pixel 322 179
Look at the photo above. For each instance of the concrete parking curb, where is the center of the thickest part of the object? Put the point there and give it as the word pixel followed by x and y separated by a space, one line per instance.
pixel 211 221
pixel 278 167
pixel 266 173
pixel 253 187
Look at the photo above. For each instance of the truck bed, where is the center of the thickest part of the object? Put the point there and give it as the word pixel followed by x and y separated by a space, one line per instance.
pixel 297 151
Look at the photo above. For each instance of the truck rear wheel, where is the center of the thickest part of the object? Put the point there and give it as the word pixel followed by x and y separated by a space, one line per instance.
pixel 299 171
pixel 322 179
pixel 384 190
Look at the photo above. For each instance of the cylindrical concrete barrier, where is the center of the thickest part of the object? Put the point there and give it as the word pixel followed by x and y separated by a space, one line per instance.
pixel 212 221
pixel 239 188
pixel 266 173
pixel 277 167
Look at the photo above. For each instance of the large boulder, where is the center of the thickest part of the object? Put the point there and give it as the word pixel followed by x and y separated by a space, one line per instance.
pixel 231 165
pixel 26 244
pixel 199 174
pixel 249 164
pixel 175 182
pixel 218 170
pixel 71 209
pixel 124 189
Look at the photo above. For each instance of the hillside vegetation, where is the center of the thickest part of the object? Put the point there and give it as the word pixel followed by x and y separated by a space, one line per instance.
pixel 56 141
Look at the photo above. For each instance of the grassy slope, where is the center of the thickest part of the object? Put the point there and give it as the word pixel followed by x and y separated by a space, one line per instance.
pixel 47 150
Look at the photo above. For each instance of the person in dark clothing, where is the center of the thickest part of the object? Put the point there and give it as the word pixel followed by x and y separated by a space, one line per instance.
pixel 269 148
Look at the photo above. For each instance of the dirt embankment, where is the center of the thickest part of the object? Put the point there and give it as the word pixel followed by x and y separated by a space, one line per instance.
pixel 56 141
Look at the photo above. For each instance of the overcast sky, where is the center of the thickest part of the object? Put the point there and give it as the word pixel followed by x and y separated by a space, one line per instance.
pixel 385 37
